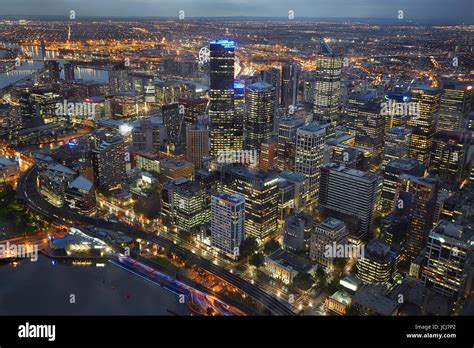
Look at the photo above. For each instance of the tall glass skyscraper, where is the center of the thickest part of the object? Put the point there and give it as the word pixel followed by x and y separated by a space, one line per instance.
pixel 226 127
pixel 327 90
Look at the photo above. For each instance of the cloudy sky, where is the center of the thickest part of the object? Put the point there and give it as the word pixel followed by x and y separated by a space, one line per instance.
pixel 422 10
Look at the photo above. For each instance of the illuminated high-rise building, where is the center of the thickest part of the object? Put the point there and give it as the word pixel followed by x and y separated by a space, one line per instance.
pixel 272 77
pixel 424 125
pixel 225 125
pixel 327 87
pixel 53 71
pixel 455 105
pixel 423 192
pixel 369 132
pixel 268 155
pixel 227 223
pixel 397 144
pixel 378 263
pixel 393 176
pixel 350 195
pixel 118 78
pixel 289 84
pixel 393 117
pixel 193 110
pixel 310 142
pixel 287 142
pixel 109 161
pixel 197 144
pixel 448 155
pixel 260 102
pixel 450 254
pixel 69 72
pixel 261 194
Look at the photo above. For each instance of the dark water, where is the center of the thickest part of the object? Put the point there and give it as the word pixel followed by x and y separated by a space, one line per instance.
pixel 41 288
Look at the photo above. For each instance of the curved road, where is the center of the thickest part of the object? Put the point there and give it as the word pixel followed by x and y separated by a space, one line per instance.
pixel 27 190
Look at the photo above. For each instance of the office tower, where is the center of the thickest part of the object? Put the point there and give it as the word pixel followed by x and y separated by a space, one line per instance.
pixel 109 161
pixel 393 177
pixel 190 205
pixel 287 142
pixel 470 123
pixel 293 188
pixel 450 253
pixel 225 125
pixel 456 103
pixel 148 135
pixel 194 109
pixel 174 122
pixel 197 144
pixel 448 155
pixel 268 155
pixel 260 191
pixel 310 140
pixel 327 234
pixel 118 78
pixel 424 125
pixel 272 77
pixel 397 143
pixel 394 228
pixel 289 84
pixel 369 132
pixel 227 222
pixel 349 194
pixel 395 117
pixel 69 72
pixel 327 88
pixel 424 192
pixel 53 71
pixel 378 263
pixel 260 103
pixel 298 228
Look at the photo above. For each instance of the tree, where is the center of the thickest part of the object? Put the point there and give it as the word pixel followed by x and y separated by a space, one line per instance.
pixel 257 260
pixel 247 248
pixel 333 286
pixel 320 276
pixel 352 310
pixel 271 246
pixel 304 281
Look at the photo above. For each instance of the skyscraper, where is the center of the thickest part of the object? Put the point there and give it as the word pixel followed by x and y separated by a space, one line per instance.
pixel 118 78
pixel 287 142
pixel 424 125
pixel 109 164
pixel 350 194
pixel 397 143
pixel 225 126
pixel 227 222
pixel 289 84
pixel 69 72
pixel 197 144
pixel 259 99
pixel 423 193
pixel 450 251
pixel 327 88
pixel 272 77
pixel 53 71
pixel 298 229
pixel 377 264
pixel 310 142
pixel 455 105
pixel 261 193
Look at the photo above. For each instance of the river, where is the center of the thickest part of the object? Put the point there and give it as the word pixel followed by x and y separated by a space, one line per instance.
pixel 45 287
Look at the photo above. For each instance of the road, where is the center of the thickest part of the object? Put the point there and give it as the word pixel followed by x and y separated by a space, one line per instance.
pixel 27 190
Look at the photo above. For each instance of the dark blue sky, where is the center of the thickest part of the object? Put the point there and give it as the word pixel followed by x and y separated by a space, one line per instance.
pixel 418 10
